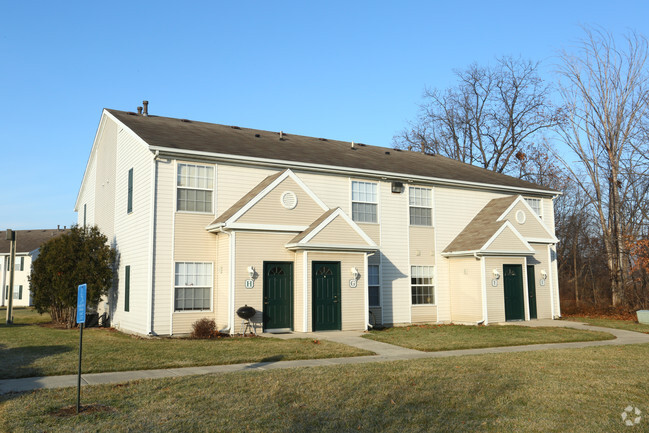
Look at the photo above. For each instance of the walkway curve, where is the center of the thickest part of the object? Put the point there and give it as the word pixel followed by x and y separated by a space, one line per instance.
pixel 384 352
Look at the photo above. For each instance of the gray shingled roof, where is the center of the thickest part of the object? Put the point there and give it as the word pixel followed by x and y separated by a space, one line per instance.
pixel 312 227
pixel 27 240
pixel 482 227
pixel 185 135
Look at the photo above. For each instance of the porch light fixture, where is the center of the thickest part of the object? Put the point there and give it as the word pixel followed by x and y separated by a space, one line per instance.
pixel 251 271
pixel 496 273
pixel 354 272
pixel 544 274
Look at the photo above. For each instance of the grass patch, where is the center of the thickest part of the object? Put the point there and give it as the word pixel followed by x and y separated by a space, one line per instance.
pixel 576 390
pixel 24 316
pixel 28 349
pixel 627 325
pixel 433 338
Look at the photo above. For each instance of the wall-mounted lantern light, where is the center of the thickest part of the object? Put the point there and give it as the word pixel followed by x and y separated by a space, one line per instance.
pixel 251 271
pixel 496 273
pixel 544 274
pixel 354 272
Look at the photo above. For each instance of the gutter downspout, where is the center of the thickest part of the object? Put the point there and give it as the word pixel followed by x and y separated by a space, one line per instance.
pixel 154 181
pixel 483 281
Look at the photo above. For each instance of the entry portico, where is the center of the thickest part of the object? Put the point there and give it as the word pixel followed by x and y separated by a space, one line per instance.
pixel 301 265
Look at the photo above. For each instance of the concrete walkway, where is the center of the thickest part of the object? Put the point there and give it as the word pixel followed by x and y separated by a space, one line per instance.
pixel 383 351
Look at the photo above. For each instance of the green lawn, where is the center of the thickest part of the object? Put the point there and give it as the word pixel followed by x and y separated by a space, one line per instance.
pixel 33 350
pixel 433 338
pixel 575 390
pixel 627 325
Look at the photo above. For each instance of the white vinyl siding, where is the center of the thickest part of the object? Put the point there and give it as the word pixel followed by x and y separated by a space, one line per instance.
pixel 422 284
pixel 421 206
pixel 364 202
pixel 373 285
pixel 195 188
pixel 193 286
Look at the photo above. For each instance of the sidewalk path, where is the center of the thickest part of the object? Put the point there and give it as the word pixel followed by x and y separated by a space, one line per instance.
pixel 383 351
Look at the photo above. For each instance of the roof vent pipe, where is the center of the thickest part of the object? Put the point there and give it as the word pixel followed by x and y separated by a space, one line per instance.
pixel 146 108
pixel 139 110
pixel 281 135
pixel 353 145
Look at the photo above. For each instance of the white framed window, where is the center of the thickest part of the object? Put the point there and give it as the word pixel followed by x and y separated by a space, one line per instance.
pixel 422 285
pixel 364 202
pixel 535 204
pixel 195 188
pixel 373 285
pixel 421 206
pixel 193 286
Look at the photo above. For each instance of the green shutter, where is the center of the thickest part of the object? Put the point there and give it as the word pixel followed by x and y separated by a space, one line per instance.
pixel 22 263
pixel 20 292
pixel 84 215
pixel 127 288
pixel 130 191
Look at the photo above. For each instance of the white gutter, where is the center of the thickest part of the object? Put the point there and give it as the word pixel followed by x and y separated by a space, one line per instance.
pixel 231 281
pixel 222 157
pixel 483 272
pixel 154 180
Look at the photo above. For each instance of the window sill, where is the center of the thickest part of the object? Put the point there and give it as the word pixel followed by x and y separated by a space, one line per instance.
pixel 423 305
pixel 195 212
pixel 192 311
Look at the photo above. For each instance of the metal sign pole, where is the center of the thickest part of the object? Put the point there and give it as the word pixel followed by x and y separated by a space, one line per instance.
pixel 81 319
pixel 11 236
pixel 79 376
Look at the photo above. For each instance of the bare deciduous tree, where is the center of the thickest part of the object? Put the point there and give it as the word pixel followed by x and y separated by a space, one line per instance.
pixel 492 114
pixel 605 89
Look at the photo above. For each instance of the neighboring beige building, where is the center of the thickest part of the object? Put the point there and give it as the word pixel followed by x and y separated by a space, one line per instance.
pixel 314 234
pixel 28 243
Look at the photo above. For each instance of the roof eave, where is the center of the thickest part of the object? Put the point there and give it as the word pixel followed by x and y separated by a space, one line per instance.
pixel 278 163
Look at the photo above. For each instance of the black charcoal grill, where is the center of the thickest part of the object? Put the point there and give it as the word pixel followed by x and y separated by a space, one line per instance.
pixel 246 313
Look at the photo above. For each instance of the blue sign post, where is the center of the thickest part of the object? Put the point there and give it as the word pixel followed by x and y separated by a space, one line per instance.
pixel 81 319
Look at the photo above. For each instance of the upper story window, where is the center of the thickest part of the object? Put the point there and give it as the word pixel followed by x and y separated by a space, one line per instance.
pixel 421 206
pixel 195 186
pixel 535 204
pixel 19 264
pixel 364 202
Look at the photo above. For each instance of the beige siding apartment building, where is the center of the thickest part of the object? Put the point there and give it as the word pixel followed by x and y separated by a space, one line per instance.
pixel 28 244
pixel 314 234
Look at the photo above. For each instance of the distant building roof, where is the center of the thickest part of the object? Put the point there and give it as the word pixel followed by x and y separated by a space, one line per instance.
pixel 188 135
pixel 28 240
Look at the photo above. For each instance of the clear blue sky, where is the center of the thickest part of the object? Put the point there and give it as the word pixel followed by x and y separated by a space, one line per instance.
pixel 348 70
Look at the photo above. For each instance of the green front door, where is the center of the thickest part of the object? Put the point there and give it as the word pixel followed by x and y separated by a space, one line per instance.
pixel 514 301
pixel 278 295
pixel 326 296
pixel 531 291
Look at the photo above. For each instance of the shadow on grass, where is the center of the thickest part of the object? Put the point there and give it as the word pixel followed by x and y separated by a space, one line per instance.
pixel 17 361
